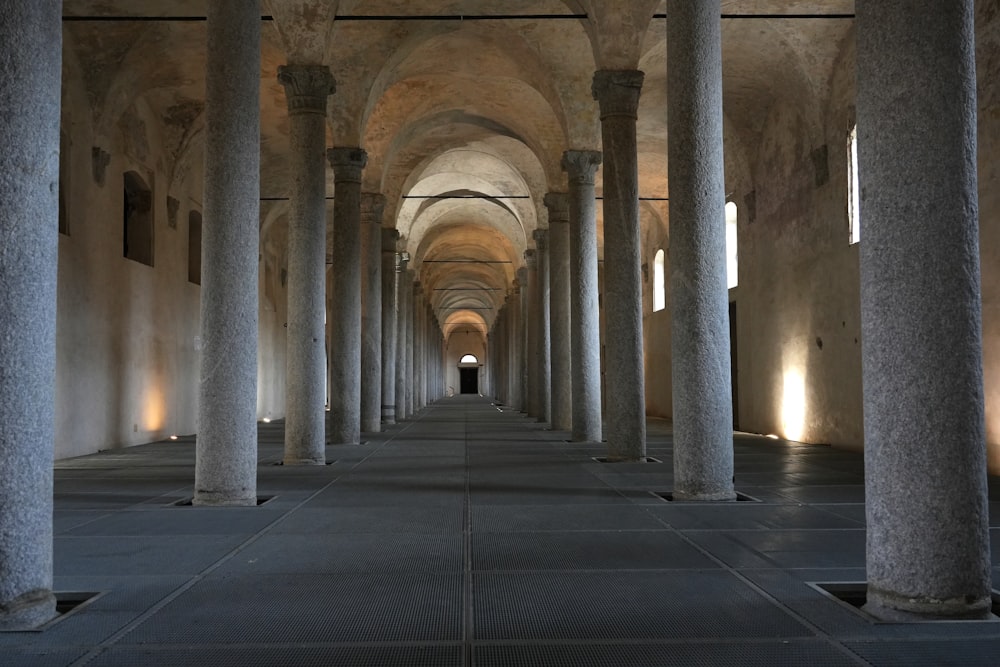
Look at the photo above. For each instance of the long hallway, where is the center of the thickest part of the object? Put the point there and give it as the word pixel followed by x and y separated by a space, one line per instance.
pixel 471 536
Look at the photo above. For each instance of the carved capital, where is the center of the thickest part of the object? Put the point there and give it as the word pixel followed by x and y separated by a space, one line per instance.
pixel 581 166
pixel 617 92
pixel 558 205
pixel 347 163
pixel 307 87
pixel 541 237
pixel 401 259
pixel 531 259
pixel 372 208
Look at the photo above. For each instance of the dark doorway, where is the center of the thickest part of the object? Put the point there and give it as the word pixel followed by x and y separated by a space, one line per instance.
pixel 732 359
pixel 468 380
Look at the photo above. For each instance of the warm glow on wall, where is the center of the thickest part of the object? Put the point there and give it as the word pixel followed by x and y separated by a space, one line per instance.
pixel 793 405
pixel 153 409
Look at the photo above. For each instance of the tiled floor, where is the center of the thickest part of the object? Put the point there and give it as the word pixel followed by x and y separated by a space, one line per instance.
pixel 471 536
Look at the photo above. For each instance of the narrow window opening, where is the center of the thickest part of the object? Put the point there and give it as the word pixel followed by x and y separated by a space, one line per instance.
pixel 659 282
pixel 137 236
pixel 194 247
pixel 853 188
pixel 63 183
pixel 732 249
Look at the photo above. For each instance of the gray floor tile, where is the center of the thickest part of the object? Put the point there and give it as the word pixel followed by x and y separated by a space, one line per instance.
pixel 788 653
pixel 622 550
pixel 526 518
pixel 249 609
pixel 319 656
pixel 328 553
pixel 140 555
pixel 622 605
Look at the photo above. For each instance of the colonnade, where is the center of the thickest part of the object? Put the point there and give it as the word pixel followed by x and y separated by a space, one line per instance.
pixel 928 548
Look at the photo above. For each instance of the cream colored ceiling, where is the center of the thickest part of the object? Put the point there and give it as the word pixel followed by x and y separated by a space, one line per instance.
pixel 464 121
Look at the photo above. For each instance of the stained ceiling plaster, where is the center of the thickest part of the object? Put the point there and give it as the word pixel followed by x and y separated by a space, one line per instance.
pixel 480 110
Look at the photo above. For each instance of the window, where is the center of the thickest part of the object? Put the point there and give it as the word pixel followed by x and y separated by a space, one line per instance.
pixel 469 359
pixel 732 251
pixel 853 188
pixel 194 247
pixel 63 183
pixel 137 236
pixel 659 282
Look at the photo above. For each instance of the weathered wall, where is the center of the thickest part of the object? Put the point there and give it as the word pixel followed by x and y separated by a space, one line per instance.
pixel 988 61
pixel 459 345
pixel 127 341
pixel 799 301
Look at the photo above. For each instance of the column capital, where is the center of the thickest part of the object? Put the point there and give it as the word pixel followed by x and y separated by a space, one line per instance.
pixel 531 259
pixel 372 208
pixel 581 166
pixel 515 287
pixel 307 87
pixel 390 237
pixel 558 205
pixel 347 163
pixel 401 259
pixel 617 92
pixel 541 237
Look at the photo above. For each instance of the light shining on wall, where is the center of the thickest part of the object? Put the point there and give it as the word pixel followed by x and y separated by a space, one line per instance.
pixel 154 409
pixel 793 405
pixel 732 254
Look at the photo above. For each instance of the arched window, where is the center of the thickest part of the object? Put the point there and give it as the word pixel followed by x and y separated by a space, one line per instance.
pixel 194 247
pixel 63 183
pixel 853 188
pixel 659 282
pixel 732 254
pixel 469 359
pixel 137 232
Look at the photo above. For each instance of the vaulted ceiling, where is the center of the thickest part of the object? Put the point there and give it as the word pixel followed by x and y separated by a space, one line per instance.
pixel 464 113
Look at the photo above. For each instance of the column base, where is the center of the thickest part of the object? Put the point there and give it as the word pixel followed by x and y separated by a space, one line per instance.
pixel 718 496
pixel 304 462
pixel 28 611
pixel 218 500
pixel 899 609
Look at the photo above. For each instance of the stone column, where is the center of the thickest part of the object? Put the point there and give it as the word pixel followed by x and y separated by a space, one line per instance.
pixel 30 48
pixel 522 338
pixel 699 295
pixel 390 325
pixel 226 453
pixel 344 426
pixel 581 167
pixel 617 92
pixel 559 309
pixel 515 366
pixel 411 407
pixel 372 208
pixel 306 89
pixel 401 289
pixel 531 332
pixel 543 349
pixel 925 452
pixel 418 345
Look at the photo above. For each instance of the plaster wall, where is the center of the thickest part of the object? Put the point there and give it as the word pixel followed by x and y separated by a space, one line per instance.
pixel 127 366
pixel 798 302
pixel 459 345
pixel 988 64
